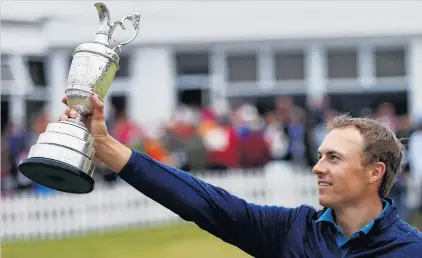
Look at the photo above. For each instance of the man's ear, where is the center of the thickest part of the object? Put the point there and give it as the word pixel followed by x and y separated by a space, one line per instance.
pixel 376 172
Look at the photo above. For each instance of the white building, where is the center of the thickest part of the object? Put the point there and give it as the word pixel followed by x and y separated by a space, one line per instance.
pixel 227 49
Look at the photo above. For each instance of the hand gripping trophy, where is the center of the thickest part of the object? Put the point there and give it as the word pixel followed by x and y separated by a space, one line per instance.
pixel 63 157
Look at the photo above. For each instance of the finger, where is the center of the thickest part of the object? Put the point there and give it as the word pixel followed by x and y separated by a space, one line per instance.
pixel 64 100
pixel 71 113
pixel 63 118
pixel 98 106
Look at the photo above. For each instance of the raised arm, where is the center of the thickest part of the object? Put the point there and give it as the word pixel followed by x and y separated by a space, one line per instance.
pixel 257 230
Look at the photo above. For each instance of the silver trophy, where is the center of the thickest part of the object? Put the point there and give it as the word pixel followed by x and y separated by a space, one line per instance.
pixel 63 157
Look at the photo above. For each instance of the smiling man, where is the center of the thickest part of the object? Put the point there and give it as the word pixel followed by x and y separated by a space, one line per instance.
pixel 359 161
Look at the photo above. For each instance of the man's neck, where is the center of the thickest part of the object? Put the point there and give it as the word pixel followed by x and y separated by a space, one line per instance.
pixel 353 217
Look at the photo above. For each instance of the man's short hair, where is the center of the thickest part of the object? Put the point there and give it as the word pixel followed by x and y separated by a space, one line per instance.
pixel 380 145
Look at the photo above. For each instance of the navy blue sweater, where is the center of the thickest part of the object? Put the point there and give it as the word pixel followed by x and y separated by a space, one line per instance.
pixel 267 231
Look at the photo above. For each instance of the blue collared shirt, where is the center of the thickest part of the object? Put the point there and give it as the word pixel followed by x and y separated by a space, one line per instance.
pixel 341 239
pixel 260 230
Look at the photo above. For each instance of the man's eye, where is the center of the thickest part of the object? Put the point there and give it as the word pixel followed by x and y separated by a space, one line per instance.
pixel 334 157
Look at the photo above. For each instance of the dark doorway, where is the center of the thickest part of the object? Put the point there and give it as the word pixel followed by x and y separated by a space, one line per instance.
pixel 354 103
pixel 266 104
pixel 193 97
pixel 4 113
pixel 33 110
pixel 119 103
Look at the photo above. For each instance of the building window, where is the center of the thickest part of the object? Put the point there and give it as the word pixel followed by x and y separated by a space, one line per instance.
pixel 289 66
pixel 242 67
pixel 34 109
pixel 342 64
pixel 36 66
pixel 192 63
pixel 6 72
pixel 390 63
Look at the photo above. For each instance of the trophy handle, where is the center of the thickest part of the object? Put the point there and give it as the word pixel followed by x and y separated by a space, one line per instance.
pixel 134 18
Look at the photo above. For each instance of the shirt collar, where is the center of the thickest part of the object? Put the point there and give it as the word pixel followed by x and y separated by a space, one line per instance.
pixel 328 216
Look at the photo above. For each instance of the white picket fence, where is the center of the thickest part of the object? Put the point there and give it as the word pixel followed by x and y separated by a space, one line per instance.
pixel 106 208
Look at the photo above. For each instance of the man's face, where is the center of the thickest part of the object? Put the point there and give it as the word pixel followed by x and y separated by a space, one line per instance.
pixel 341 176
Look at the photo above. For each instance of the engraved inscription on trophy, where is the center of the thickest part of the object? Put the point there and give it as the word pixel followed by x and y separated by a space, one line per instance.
pixel 91 74
pixel 77 68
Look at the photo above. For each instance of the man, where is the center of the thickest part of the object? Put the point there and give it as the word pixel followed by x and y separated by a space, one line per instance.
pixel 358 162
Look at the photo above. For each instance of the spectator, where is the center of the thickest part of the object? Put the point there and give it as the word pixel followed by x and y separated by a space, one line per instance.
pixel 275 137
pixel 414 155
pixel 222 143
pixel 253 149
pixel 184 142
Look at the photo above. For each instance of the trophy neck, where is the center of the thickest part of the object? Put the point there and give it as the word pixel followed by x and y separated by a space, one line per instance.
pixel 98 48
pixel 102 39
pixel 79 120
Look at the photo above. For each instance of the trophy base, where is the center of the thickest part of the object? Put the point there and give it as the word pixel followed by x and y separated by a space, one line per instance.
pixel 56 175
pixel 62 159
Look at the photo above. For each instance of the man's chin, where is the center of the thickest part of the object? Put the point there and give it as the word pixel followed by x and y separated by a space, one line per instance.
pixel 325 202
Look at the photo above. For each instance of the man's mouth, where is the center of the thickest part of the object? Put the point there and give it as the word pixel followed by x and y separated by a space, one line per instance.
pixel 324 184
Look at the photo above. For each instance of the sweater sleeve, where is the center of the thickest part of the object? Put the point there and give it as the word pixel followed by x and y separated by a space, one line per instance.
pixel 257 230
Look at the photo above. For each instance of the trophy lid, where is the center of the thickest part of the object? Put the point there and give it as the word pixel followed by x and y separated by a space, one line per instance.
pixel 107 28
pixel 103 43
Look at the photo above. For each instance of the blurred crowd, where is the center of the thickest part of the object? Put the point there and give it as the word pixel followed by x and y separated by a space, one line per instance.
pixel 220 137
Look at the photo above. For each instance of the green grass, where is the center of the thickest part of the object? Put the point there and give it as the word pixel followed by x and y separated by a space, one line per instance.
pixel 187 241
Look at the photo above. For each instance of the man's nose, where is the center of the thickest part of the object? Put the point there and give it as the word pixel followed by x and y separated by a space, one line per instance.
pixel 318 168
